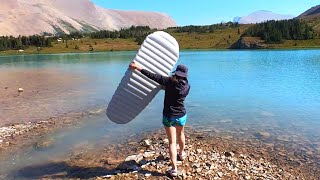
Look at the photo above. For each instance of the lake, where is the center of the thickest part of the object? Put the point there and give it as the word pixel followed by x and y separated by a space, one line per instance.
pixel 236 93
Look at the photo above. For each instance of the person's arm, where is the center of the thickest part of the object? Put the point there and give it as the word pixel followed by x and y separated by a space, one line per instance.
pixel 162 80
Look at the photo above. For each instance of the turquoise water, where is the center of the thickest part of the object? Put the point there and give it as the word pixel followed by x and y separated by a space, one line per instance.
pixel 235 92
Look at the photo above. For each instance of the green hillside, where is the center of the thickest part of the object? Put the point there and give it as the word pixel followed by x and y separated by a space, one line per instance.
pixel 218 39
pixel 218 36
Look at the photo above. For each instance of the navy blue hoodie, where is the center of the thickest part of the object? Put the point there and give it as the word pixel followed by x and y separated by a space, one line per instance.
pixel 175 93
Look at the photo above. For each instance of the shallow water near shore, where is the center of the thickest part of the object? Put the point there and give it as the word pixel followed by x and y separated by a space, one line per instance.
pixel 233 93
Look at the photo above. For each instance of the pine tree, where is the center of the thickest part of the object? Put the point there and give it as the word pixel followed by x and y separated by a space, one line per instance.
pixel 278 31
pixel 67 46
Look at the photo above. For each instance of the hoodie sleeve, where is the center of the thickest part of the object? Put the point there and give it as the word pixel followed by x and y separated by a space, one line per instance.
pixel 162 80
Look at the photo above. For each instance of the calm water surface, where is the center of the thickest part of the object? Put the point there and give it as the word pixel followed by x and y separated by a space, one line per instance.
pixel 236 92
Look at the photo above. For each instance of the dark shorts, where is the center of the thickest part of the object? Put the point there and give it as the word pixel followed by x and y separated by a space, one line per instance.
pixel 168 122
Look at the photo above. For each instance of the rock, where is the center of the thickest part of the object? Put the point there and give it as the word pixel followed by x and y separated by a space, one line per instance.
pixel 199 150
pixel 151 148
pixel 136 158
pixel 220 174
pixel 229 154
pixel 191 158
pixel 284 138
pixel 197 165
pixel 263 134
pixel 212 166
pixel 107 176
pixel 226 121
pixel 247 177
pixel 227 137
pixel 160 158
pixel 199 170
pixel 183 174
pixel 208 130
pixel 146 142
pixel 113 161
pixel 166 141
pixel 141 150
pixel 147 174
pixel 20 90
pixel 132 143
pixel 249 43
pixel 45 143
pixel 149 154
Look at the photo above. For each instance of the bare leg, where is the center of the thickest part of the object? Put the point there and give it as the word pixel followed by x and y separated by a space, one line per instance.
pixel 181 138
pixel 171 133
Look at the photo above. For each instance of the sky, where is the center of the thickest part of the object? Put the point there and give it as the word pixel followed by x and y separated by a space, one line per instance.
pixel 202 12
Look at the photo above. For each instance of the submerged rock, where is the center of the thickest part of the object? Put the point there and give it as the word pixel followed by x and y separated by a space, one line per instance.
pixel 44 143
pixel 263 135
pixel 284 138
pixel 226 121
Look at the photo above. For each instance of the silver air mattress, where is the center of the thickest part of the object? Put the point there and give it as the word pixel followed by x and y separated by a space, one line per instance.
pixel 159 54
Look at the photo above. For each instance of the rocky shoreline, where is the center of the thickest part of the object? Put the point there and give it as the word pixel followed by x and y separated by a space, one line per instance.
pixel 20 135
pixel 145 156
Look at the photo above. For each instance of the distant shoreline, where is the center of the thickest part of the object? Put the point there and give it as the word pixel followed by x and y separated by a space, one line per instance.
pixel 219 39
pixel 182 50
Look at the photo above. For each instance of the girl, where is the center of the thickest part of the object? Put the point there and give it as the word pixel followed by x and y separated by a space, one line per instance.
pixel 174 113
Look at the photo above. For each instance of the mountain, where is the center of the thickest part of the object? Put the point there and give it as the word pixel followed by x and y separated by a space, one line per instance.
pixel 28 17
pixel 236 19
pixel 261 16
pixel 311 13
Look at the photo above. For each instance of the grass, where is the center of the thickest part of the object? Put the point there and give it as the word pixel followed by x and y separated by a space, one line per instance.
pixel 297 44
pixel 220 39
pixel 83 46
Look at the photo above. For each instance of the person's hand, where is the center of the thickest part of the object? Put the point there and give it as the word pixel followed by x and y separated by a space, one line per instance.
pixel 134 65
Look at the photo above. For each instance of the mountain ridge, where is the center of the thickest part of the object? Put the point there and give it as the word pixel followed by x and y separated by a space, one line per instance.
pixel 313 12
pixel 29 17
pixel 261 16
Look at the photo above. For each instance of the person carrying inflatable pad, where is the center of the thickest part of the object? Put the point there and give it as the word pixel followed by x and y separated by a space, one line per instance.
pixel 174 113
